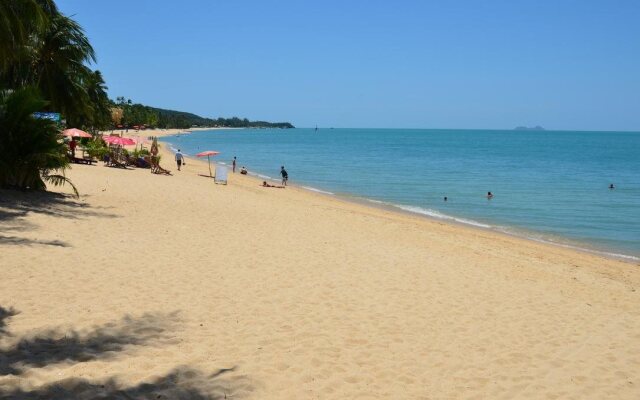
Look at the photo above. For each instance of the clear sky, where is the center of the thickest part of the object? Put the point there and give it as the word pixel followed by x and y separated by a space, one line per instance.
pixel 561 64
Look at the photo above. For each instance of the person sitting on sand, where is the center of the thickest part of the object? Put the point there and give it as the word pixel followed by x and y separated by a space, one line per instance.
pixel 243 170
pixel 489 195
pixel 265 184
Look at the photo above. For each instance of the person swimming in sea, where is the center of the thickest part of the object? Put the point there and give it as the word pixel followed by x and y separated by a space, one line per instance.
pixel 445 198
pixel 611 186
pixel 489 195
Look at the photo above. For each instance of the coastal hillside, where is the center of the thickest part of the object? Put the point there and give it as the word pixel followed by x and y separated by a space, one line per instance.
pixel 129 114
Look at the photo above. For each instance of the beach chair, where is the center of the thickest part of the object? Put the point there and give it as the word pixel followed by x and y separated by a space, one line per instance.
pixel 78 160
pixel 221 174
pixel 156 168
pixel 112 161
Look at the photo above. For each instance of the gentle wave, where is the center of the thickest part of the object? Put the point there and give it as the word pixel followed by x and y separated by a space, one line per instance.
pixel 530 236
pixel 265 177
pixel 317 190
pixel 574 247
pixel 436 214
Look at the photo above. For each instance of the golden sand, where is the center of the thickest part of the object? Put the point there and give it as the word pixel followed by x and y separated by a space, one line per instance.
pixel 173 286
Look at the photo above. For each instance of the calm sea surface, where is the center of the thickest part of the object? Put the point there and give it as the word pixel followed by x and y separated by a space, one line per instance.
pixel 548 185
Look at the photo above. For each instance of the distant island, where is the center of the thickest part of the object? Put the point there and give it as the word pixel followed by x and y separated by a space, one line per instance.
pixel 128 114
pixel 526 128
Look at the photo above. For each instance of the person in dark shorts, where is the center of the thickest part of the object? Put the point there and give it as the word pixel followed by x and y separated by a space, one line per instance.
pixel 72 146
pixel 234 165
pixel 285 176
pixel 179 159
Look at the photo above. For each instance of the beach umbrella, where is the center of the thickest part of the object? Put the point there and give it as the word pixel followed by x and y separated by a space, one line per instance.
pixel 76 133
pixel 117 140
pixel 208 153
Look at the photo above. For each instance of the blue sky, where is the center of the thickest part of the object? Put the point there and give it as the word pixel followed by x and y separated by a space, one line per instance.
pixel 412 64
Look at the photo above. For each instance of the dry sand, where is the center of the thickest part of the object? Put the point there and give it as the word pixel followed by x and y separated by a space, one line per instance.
pixel 173 287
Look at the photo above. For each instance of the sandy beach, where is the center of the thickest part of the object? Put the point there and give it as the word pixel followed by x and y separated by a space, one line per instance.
pixel 169 287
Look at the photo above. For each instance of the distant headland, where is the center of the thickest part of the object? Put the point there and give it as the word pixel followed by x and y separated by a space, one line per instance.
pixel 128 114
pixel 527 128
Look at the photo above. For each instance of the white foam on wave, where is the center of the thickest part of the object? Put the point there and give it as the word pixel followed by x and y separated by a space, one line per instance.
pixel 376 201
pixel 436 214
pixel 173 149
pixel 574 247
pixel 317 190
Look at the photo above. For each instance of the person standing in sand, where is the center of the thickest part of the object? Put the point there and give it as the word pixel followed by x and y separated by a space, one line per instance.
pixel 72 146
pixel 285 176
pixel 179 159
pixel 233 164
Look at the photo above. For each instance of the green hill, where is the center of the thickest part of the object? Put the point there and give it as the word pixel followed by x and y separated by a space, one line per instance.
pixel 139 114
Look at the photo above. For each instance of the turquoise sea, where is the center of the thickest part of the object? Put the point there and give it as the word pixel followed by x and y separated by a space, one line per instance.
pixel 547 185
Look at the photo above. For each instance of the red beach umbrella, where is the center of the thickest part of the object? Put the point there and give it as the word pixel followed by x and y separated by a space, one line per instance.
pixel 208 153
pixel 121 141
pixel 76 133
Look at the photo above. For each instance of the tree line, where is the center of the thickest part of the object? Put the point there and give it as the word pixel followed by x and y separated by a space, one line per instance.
pixel 138 114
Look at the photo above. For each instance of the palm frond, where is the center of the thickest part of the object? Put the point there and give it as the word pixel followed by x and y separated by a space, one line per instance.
pixel 60 180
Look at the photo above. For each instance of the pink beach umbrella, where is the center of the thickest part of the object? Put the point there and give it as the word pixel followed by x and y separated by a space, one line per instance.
pixel 208 153
pixel 76 133
pixel 117 140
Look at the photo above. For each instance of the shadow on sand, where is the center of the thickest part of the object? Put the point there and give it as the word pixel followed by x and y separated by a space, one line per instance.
pixel 14 206
pixel 55 346
pixel 181 383
pixel 107 342
pixel 5 313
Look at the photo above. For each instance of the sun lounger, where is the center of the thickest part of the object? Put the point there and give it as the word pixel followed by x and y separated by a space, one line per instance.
pixel 77 160
pixel 155 166
pixel 112 161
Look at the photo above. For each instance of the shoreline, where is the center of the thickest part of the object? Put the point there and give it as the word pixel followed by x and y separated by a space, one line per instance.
pixel 297 295
pixel 612 254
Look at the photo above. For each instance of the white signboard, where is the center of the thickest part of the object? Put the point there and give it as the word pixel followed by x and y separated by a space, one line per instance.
pixel 221 174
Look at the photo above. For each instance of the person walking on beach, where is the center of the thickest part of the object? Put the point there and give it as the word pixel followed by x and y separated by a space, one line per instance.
pixel 285 176
pixel 179 159
pixel 234 164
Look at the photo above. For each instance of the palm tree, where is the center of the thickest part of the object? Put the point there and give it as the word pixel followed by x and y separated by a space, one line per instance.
pixel 96 110
pixel 30 148
pixel 60 65
pixel 44 55
pixel 20 22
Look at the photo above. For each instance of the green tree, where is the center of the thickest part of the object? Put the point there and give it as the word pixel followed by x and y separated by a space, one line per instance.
pixel 20 21
pixel 30 149
pixel 59 68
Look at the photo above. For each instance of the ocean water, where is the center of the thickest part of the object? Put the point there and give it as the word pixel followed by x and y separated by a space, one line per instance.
pixel 547 185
